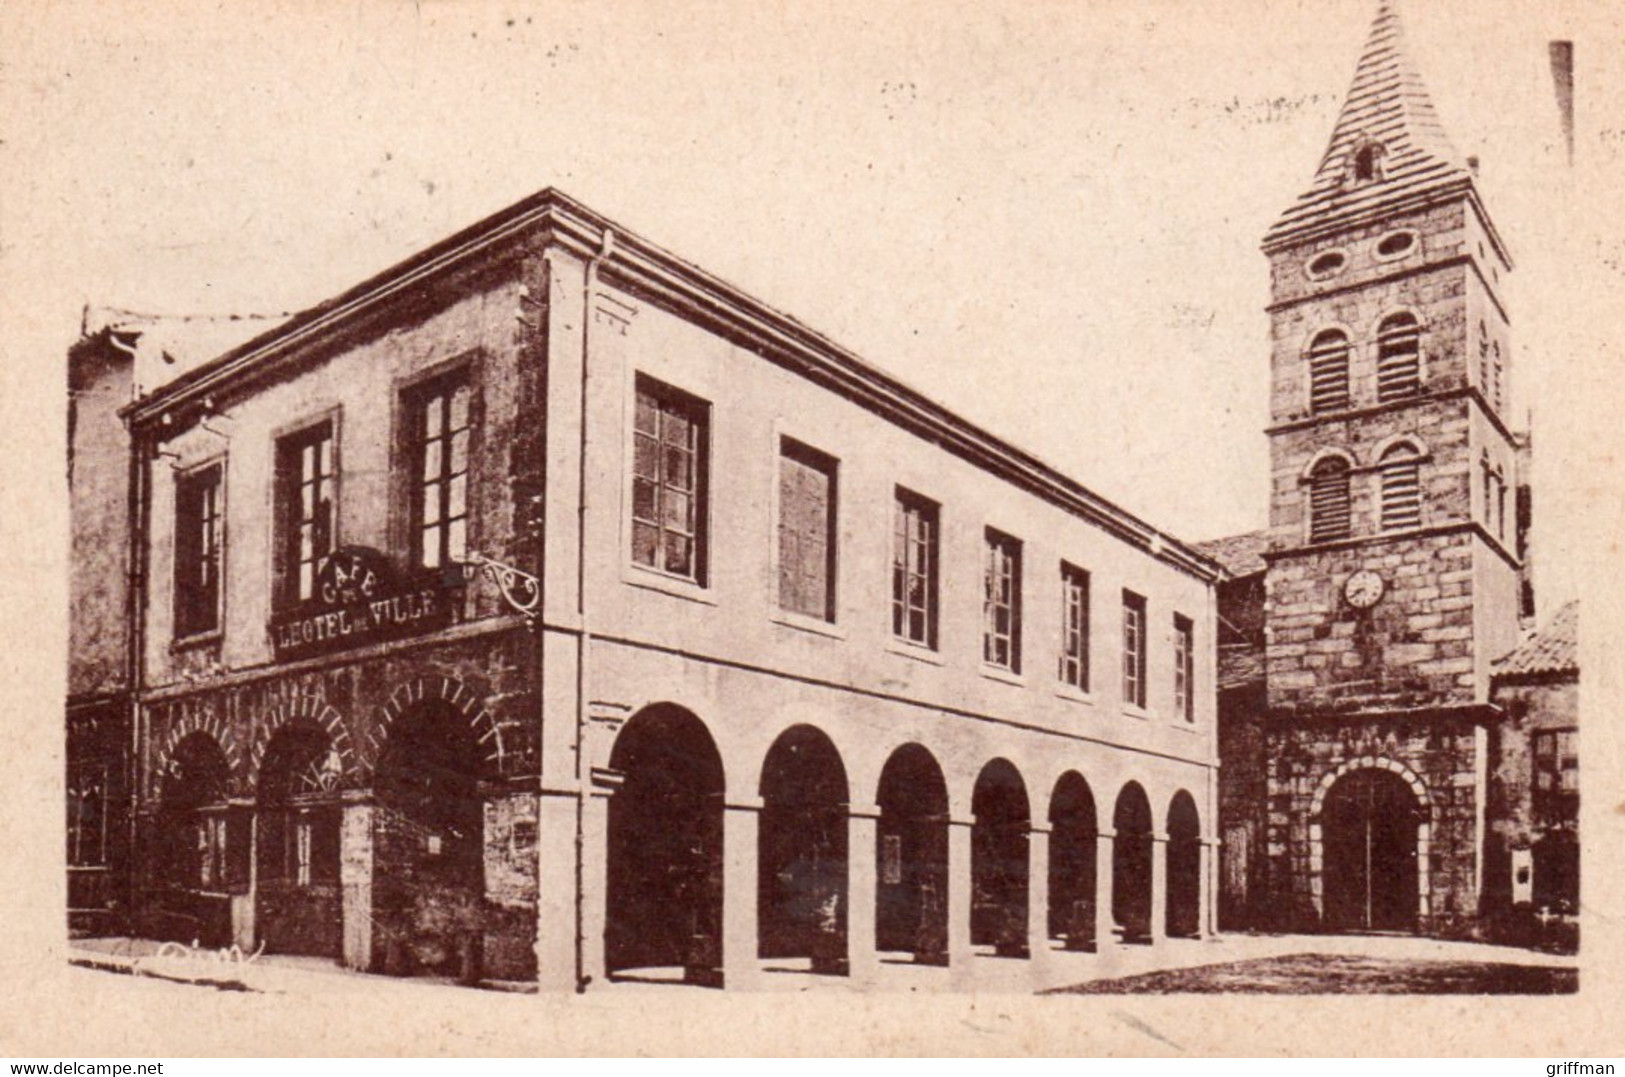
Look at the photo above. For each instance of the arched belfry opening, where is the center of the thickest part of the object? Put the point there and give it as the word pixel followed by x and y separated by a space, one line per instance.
pixel 664 886
pixel 802 852
pixel 1132 850
pixel 911 877
pixel 298 904
pixel 1072 860
pixel 1371 878
pixel 999 867
pixel 429 843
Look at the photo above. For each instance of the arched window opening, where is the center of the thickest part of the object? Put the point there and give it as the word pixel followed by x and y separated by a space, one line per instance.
pixel 1368 162
pixel 1329 372
pixel 1401 470
pixel 1330 514
pixel 1399 357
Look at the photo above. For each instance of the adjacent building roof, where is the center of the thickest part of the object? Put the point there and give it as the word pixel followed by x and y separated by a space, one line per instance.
pixel 1553 648
pixel 1241 555
pixel 1387 105
pixel 166 346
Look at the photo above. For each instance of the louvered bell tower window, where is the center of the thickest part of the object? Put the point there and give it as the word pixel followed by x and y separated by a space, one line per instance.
pixel 1399 358
pixel 1401 489
pixel 1329 512
pixel 1329 372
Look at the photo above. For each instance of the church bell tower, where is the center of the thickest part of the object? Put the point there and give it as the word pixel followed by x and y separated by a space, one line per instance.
pixel 1394 568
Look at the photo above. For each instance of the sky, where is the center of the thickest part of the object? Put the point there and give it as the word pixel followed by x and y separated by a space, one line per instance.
pixel 1044 215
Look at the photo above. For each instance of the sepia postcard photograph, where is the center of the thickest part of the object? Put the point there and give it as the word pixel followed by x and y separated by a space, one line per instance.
pixel 1018 528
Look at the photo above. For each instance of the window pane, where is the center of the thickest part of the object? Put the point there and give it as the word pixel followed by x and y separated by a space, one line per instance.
pixel 459 452
pixel 677 555
pixel 457 497
pixel 643 499
pixel 645 458
pixel 456 544
pixel 647 420
pixel 645 540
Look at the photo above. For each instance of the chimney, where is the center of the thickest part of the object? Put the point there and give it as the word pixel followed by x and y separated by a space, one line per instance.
pixel 1561 54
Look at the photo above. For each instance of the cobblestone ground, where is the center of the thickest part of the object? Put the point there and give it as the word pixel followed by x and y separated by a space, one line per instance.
pixel 1314 974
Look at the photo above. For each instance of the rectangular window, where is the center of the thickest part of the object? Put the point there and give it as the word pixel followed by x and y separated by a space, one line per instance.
pixel 197 551
pixel 1557 777
pixel 1001 602
pixel 669 481
pixel 1074 627
pixel 807 505
pixel 441 423
pixel 305 488
pixel 914 570
pixel 1133 649
pixel 1184 668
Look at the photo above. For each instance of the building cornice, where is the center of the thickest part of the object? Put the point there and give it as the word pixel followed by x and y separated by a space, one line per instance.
pixel 645 269
pixel 1471 392
pixel 1335 219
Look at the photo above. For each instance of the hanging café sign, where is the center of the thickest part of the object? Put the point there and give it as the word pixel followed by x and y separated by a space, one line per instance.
pixel 360 598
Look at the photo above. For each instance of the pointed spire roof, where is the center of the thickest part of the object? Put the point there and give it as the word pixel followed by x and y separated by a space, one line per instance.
pixel 1389 110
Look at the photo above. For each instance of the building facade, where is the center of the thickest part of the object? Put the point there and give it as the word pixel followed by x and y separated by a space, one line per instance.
pixel 1365 741
pixel 545 609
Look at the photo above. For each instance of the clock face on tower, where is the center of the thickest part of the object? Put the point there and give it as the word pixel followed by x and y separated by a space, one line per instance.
pixel 1363 589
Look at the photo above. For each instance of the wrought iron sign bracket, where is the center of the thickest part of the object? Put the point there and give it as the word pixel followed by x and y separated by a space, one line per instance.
pixel 520 590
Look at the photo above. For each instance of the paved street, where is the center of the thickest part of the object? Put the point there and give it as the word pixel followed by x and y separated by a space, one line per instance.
pixel 1274 964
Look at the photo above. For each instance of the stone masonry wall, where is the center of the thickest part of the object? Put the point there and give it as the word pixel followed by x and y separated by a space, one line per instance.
pixel 1441 752
pixel 1414 648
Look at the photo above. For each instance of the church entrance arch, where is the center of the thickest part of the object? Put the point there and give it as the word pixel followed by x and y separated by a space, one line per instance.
pixel 1371 823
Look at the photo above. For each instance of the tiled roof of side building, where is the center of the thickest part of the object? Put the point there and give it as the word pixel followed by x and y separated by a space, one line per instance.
pixel 1553 648
pixel 1241 555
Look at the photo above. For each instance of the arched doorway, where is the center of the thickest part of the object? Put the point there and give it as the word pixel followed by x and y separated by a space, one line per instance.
pixel 998 857
pixel 802 844
pixel 1184 867
pixel 298 905
pixel 1369 822
pixel 429 844
pixel 911 890
pixel 1132 850
pixel 664 899
pixel 1072 881
pixel 202 849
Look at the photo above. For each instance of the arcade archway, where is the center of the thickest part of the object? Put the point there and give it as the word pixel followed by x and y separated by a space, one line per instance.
pixel 1184 916
pixel 999 867
pixel 664 893
pixel 429 844
pixel 1072 858
pixel 802 849
pixel 1132 850
pixel 911 889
